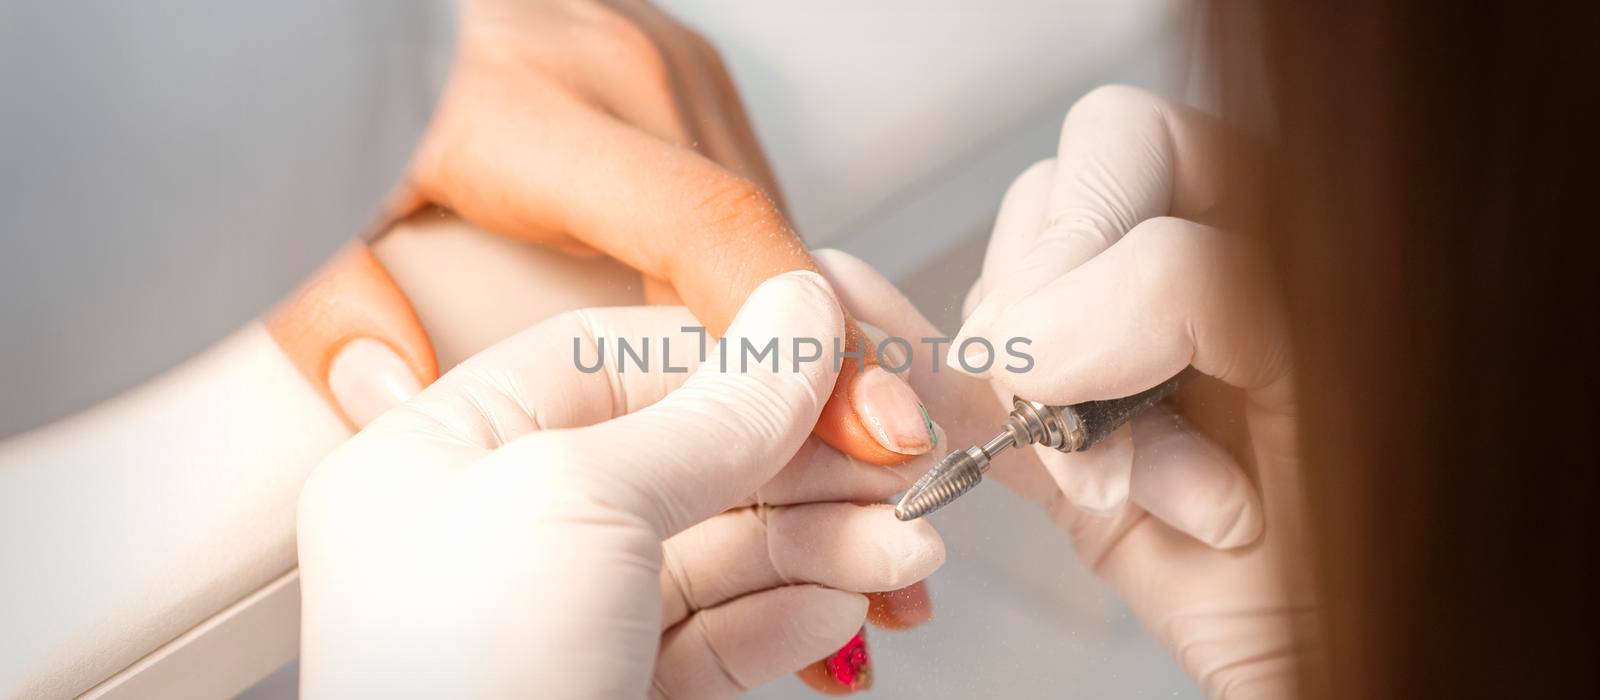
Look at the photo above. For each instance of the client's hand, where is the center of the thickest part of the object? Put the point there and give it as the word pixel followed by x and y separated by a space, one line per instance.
pixel 526 528
pixel 609 127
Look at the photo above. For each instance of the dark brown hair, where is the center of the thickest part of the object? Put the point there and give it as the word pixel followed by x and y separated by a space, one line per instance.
pixel 1431 218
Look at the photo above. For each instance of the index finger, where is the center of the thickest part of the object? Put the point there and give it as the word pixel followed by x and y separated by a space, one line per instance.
pixel 1125 156
pixel 565 170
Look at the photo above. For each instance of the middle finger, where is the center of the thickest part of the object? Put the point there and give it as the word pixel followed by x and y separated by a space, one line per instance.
pixel 1125 156
pixel 839 545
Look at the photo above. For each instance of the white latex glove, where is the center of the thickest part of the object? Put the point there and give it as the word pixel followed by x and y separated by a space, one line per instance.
pixel 525 529
pixel 1129 321
pixel 1117 296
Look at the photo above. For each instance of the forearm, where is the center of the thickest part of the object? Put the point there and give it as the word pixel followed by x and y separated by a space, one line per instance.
pixel 203 468
pixel 193 480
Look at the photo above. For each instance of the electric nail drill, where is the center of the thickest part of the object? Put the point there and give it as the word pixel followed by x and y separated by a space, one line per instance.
pixel 1066 428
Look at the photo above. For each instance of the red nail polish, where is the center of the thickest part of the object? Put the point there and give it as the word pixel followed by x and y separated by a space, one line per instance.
pixel 850 665
pixel 902 609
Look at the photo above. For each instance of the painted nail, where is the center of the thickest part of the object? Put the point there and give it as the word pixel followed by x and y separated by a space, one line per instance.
pixel 851 665
pixel 368 378
pixel 891 412
pixel 902 609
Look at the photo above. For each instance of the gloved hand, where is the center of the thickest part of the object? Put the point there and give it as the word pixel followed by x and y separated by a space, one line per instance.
pixel 594 127
pixel 1191 513
pixel 522 528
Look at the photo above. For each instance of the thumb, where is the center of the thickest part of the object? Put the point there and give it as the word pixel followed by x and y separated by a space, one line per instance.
pixel 1172 293
pixel 734 423
pixel 353 334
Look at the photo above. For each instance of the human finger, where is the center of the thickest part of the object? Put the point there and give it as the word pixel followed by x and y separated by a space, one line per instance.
pixel 738 125
pixel 819 472
pixel 669 213
pixel 1096 480
pixel 593 50
pixel 728 429
pixel 848 670
pixel 1015 225
pixel 839 545
pixel 1197 298
pixel 568 371
pixel 963 406
pixel 1168 469
pixel 729 137
pixel 726 650
pixel 965 403
pixel 712 115
pixel 661 293
pixel 1125 155
pixel 1189 482
pixel 630 71
pixel 1172 293
pixel 354 336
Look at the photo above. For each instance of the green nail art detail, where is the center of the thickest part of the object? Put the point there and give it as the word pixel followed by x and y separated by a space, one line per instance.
pixel 933 437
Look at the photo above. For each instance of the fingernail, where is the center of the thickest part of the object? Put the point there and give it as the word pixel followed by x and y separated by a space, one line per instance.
pixel 951 357
pixel 851 665
pixel 973 359
pixel 902 609
pixel 368 378
pixel 891 412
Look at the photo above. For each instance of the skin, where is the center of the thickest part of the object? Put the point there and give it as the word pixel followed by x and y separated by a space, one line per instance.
pixel 352 297
pixel 522 149
pixel 406 528
pixel 594 129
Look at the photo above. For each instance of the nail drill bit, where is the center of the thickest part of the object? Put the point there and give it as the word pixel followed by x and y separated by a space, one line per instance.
pixel 1066 428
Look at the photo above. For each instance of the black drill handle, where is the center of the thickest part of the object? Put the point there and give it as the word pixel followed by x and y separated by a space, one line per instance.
pixel 1101 418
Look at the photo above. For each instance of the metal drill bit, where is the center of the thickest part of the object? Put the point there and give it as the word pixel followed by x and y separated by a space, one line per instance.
pixel 1064 428
pixel 954 475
